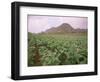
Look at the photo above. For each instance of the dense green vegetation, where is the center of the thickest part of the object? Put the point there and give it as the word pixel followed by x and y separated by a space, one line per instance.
pixel 57 49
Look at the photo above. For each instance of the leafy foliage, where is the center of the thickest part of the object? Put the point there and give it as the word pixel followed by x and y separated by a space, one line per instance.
pixel 55 49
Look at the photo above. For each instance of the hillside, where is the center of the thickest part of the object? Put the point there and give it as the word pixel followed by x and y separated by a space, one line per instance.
pixel 64 28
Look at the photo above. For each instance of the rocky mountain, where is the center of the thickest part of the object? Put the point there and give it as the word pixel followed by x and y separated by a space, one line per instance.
pixel 64 28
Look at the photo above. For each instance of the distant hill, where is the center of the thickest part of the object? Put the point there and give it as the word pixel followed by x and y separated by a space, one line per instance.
pixel 64 28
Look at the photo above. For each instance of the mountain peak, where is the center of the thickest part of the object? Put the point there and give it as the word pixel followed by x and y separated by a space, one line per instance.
pixel 65 24
pixel 63 28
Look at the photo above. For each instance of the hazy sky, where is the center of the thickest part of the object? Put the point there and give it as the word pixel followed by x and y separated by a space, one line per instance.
pixel 38 24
